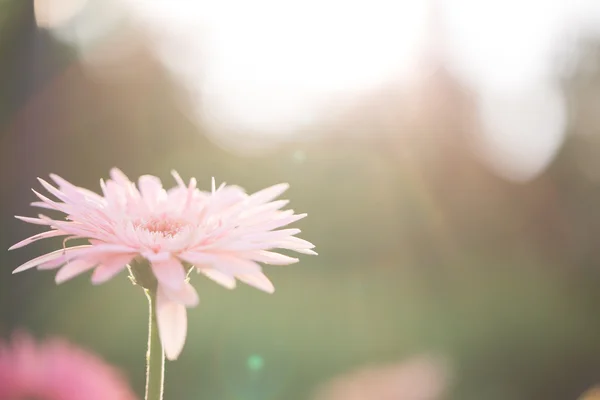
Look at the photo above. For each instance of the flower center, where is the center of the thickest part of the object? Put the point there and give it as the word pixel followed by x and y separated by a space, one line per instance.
pixel 166 227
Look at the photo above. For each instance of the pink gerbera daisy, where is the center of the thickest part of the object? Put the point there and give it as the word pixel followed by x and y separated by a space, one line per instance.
pixel 223 234
pixel 56 370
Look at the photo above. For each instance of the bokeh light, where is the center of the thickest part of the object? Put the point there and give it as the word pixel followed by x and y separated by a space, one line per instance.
pixel 255 362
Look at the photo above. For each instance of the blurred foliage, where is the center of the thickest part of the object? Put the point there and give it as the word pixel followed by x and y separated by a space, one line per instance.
pixel 421 248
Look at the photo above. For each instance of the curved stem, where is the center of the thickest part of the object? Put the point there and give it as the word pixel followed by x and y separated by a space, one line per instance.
pixel 155 357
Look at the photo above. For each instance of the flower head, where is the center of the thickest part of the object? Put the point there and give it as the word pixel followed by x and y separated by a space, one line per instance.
pixel 222 234
pixel 56 370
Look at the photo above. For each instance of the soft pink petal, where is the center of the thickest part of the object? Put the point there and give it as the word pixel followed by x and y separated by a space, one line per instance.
pixel 172 324
pixel 41 204
pixel 268 194
pixel 268 257
pixel 151 189
pixel 268 207
pixel 156 257
pixel 37 237
pixel 258 280
pixel 237 246
pixel 76 193
pixel 69 251
pixel 73 268
pixel 111 248
pixel 54 263
pixel 225 263
pixel 110 266
pixel 296 244
pixel 115 195
pixel 225 198
pixel 119 177
pixel 169 273
pixel 57 193
pixel 191 190
pixel 57 206
pixel 221 278
pixel 178 179
pixel 277 223
pixel 233 265
pixel 35 221
pixel 197 257
pixel 262 224
pixel 187 295
pixel 273 235
pixel 307 251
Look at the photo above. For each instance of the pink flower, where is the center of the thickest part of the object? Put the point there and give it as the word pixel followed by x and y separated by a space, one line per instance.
pixel 420 378
pixel 223 234
pixel 55 370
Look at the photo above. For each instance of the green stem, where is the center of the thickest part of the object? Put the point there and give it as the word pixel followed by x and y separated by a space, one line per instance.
pixel 155 357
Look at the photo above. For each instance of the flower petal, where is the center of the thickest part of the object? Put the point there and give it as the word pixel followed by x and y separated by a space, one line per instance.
pixel 172 324
pixel 272 235
pixel 31 239
pixel 266 208
pixel 110 266
pixel 76 193
pixel 169 273
pixel 258 280
pixel 73 269
pixel 284 218
pixel 151 189
pixel 35 221
pixel 296 244
pixel 187 295
pixel 119 177
pixel 59 195
pixel 178 179
pixel 221 278
pixel 57 262
pixel 69 251
pixel 156 257
pixel 269 257
pixel 268 194
pixel 234 266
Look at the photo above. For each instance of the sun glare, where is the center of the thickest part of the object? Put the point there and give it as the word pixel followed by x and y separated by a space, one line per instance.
pixel 259 71
pixel 267 65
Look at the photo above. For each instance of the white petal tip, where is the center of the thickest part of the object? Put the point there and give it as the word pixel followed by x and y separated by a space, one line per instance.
pixel 259 281
pixel 22 268
pixel 97 281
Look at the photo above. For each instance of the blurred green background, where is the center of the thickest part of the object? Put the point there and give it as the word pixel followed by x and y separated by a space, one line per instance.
pixel 422 248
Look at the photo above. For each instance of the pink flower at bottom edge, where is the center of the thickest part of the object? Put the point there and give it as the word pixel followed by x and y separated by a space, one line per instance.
pixel 56 370
pixel 420 378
